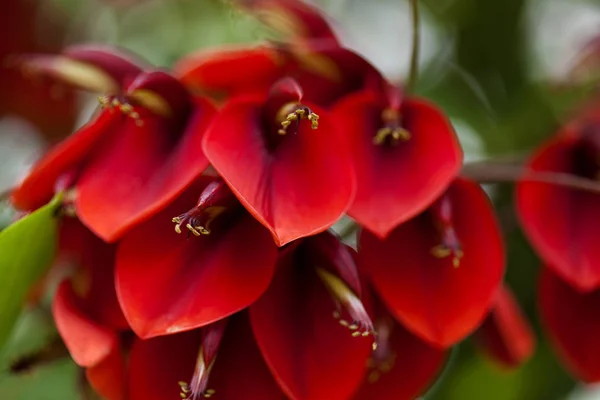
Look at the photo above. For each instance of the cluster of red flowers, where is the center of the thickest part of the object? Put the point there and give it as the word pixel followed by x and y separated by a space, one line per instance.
pixel 198 202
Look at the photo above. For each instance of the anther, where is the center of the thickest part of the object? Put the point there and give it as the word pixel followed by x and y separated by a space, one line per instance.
pixel 300 113
pixel 392 128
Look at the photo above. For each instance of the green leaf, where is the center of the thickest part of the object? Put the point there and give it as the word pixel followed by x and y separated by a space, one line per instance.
pixel 27 248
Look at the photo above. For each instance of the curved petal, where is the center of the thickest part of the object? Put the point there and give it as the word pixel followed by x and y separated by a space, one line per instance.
pixel 298 189
pixel 395 183
pixel 218 72
pixel 505 334
pixel 568 240
pixel 570 318
pixel 108 377
pixel 88 342
pixel 412 366
pixel 156 365
pixel 68 157
pixel 437 302
pixel 308 352
pixel 140 171
pixel 167 283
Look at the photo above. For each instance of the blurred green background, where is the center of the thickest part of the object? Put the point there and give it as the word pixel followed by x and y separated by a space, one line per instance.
pixel 497 68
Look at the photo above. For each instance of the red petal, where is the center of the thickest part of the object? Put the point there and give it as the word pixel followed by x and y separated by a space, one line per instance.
pixel 218 71
pixel 239 373
pixel 571 321
pixel 432 299
pixel 299 189
pixel 568 240
pixel 310 354
pixel 88 342
pixel 39 186
pixel 505 334
pixel 415 365
pixel 140 171
pixel 396 183
pixel 291 17
pixel 108 377
pixel 167 283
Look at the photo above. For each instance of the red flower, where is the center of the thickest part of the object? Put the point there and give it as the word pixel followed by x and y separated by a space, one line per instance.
pixel 506 335
pixel 284 159
pixel 221 359
pixel 438 273
pixel 571 321
pixel 167 283
pixel 311 354
pixel 86 310
pixel 402 365
pixel 133 158
pixel 405 154
pixel 560 222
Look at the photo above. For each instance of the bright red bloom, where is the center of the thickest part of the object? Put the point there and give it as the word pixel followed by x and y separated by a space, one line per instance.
pixel 506 335
pixel 86 310
pixel 284 159
pixel 168 283
pixel 132 159
pixel 571 321
pixel 221 359
pixel 402 365
pixel 312 354
pixel 561 222
pixel 439 272
pixel 405 154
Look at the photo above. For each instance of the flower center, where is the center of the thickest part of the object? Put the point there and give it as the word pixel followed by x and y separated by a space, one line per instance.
pixel 383 357
pixel 450 244
pixel 198 386
pixel 392 131
pixel 215 200
pixel 348 302
pixel 290 116
pixel 113 103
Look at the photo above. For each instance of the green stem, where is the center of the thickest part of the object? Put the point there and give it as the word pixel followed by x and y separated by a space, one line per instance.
pixel 416 42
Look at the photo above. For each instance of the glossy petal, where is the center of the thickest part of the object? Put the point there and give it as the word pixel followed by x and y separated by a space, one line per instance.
pixel 167 283
pixel 395 183
pixel 300 188
pixel 239 373
pixel 434 300
pixel 218 72
pixel 413 366
pixel 39 186
pixel 88 342
pixel 304 346
pixel 139 171
pixel 571 321
pixel 561 223
pixel 506 335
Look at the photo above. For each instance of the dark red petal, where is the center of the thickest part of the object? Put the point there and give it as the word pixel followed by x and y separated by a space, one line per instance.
pixel 230 71
pixel 88 342
pixel 506 334
pixel 294 18
pixel 108 377
pixel 300 188
pixel 395 183
pixel 167 283
pixel 561 223
pixel 414 365
pixel 434 300
pixel 571 321
pixel 67 157
pixel 140 171
pixel 239 372
pixel 308 352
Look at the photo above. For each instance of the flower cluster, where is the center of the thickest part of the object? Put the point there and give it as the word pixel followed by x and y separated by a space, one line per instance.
pixel 198 204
